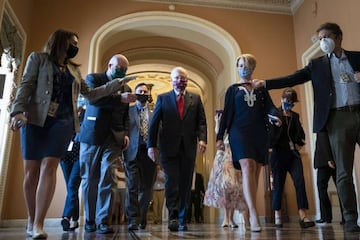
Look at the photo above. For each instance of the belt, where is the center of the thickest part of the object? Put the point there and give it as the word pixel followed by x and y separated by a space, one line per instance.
pixel 351 108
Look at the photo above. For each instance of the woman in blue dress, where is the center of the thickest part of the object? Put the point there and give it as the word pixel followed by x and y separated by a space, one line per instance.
pixel 246 114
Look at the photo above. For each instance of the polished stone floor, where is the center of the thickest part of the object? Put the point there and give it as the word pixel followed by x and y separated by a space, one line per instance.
pixel 290 231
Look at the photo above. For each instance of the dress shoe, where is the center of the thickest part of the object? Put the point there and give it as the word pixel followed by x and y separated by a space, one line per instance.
pixel 255 228
pixel 304 224
pixel 133 227
pixel 142 226
pixel 320 221
pixel 75 225
pixel 104 229
pixel 65 223
pixel 233 225
pixel 183 228
pixel 351 227
pixel 90 226
pixel 173 225
pixel 39 234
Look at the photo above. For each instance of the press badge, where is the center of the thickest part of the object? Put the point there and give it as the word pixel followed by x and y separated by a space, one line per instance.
pixel 70 147
pixel 344 77
pixel 53 109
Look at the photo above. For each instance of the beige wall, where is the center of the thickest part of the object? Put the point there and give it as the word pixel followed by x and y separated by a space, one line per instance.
pixel 276 40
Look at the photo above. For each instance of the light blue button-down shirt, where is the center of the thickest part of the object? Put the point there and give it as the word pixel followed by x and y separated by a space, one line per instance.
pixel 346 88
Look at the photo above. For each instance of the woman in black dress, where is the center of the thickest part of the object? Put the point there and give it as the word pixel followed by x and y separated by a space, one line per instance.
pixel 245 119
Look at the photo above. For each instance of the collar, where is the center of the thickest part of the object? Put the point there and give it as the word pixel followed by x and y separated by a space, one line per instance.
pixel 177 93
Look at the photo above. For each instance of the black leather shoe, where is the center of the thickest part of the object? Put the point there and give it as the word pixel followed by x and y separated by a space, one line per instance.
pixel 142 226
pixel 104 229
pixel 351 227
pixel 65 223
pixel 320 221
pixel 173 225
pixel 183 228
pixel 90 226
pixel 133 227
pixel 304 224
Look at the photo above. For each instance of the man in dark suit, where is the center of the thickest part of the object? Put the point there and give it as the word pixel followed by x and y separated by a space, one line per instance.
pixel 103 137
pixel 140 170
pixel 196 198
pixel 335 79
pixel 183 130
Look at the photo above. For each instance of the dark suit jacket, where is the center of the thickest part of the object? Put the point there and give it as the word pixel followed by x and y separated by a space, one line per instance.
pixel 105 117
pixel 134 132
pixel 319 72
pixel 191 128
pixel 323 152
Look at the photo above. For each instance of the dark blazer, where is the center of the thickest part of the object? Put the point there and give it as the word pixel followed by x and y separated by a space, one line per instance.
pixel 296 133
pixel 318 71
pixel 105 117
pixel 134 132
pixel 323 152
pixel 191 128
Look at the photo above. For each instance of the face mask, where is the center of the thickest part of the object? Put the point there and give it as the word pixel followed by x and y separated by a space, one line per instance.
pixel 119 73
pixel 287 106
pixel 142 97
pixel 327 45
pixel 180 85
pixel 245 72
pixel 72 51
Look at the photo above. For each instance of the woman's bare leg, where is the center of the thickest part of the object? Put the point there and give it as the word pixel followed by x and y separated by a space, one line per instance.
pixel 45 190
pixel 250 184
pixel 31 178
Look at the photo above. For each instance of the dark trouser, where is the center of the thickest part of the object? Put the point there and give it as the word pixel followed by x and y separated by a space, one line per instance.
pixel 140 177
pixel 344 132
pixel 195 199
pixel 323 176
pixel 282 162
pixel 178 175
pixel 71 170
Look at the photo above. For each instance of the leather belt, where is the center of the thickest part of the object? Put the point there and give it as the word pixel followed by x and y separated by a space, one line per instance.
pixel 351 108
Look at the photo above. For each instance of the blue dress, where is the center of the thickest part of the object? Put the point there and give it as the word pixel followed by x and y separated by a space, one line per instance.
pixel 245 119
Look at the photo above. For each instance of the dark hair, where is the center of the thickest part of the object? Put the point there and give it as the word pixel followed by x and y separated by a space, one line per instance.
pixel 333 27
pixel 290 95
pixel 141 84
pixel 58 43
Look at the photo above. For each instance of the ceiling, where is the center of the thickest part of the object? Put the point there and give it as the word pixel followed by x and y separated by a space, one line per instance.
pixel 272 6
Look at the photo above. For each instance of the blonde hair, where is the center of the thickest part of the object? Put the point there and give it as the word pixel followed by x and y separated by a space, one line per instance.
pixel 249 60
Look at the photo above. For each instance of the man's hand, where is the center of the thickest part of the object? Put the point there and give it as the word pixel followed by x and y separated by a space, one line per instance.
pixel 257 83
pixel 128 97
pixel 153 153
pixel 331 164
pixel 202 146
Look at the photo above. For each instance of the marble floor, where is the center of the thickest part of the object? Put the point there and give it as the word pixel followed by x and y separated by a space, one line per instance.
pixel 290 231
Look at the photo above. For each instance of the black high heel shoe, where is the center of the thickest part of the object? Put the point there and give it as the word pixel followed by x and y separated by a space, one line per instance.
pixel 304 224
pixel 65 223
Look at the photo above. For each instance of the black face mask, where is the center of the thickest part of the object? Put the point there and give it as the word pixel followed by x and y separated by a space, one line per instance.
pixel 72 51
pixel 142 97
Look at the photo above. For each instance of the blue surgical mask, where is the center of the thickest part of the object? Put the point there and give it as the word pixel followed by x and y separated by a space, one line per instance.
pixel 245 72
pixel 119 73
pixel 287 106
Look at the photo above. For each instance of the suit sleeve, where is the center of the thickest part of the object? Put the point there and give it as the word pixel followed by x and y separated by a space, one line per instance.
pixel 299 77
pixel 155 123
pixel 202 126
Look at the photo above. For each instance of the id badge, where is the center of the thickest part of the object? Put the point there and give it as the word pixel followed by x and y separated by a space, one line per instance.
pixel 291 145
pixel 344 77
pixel 53 109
